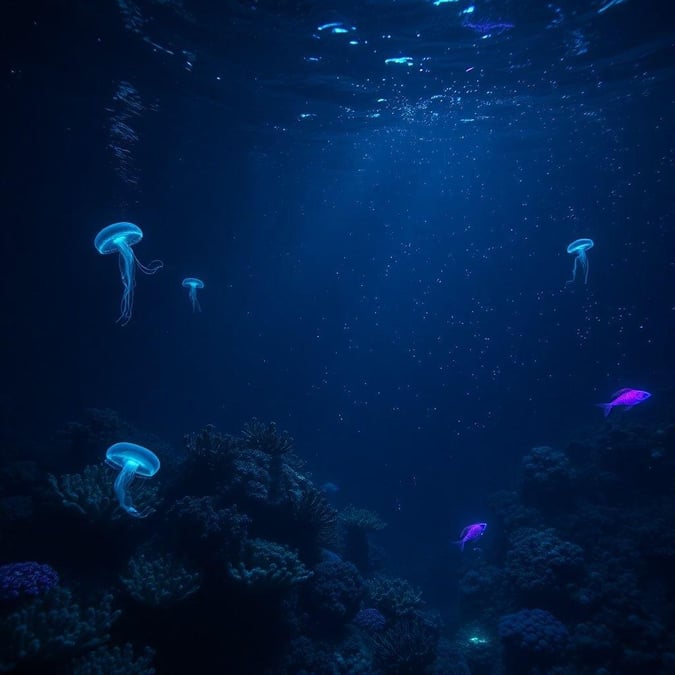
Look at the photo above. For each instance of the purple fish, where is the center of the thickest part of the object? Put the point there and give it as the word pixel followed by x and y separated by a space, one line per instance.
pixel 470 533
pixel 626 398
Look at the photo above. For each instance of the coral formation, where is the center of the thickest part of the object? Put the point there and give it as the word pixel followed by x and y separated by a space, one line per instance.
pixel 407 646
pixel 393 596
pixel 540 562
pixel 90 493
pixel 267 565
pixel 52 627
pixel 334 592
pixel 369 619
pixel 159 580
pixel 532 635
pixel 114 661
pixel 26 579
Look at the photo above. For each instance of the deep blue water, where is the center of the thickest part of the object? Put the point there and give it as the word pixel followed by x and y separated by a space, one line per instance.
pixel 383 244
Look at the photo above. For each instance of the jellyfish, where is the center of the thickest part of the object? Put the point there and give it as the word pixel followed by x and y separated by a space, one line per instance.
pixel 133 460
pixel 578 248
pixel 193 284
pixel 119 238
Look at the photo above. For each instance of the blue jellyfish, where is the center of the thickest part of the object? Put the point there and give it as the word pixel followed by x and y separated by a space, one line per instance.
pixel 119 238
pixel 133 460
pixel 578 248
pixel 193 284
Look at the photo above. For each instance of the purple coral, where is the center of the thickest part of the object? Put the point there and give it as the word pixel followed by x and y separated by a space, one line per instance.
pixel 369 619
pixel 26 579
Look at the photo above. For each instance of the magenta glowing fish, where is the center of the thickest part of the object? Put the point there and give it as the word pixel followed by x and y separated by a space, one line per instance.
pixel 625 398
pixel 470 533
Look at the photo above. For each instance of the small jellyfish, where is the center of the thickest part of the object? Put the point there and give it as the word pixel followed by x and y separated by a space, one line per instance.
pixel 193 284
pixel 578 248
pixel 119 238
pixel 133 460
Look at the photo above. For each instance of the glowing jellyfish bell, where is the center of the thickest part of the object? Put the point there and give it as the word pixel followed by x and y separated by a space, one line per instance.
pixel 578 248
pixel 193 284
pixel 119 238
pixel 133 460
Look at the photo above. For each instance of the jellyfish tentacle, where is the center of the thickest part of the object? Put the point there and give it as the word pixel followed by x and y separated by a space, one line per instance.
pixel 126 262
pixel 121 487
pixel 196 307
pixel 152 267
pixel 584 265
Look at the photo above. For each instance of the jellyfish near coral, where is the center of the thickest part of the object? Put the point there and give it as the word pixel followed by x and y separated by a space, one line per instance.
pixel 193 284
pixel 578 248
pixel 133 460
pixel 119 238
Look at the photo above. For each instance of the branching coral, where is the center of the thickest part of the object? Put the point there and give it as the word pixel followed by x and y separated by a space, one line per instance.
pixel 210 448
pixel 159 580
pixel 91 494
pixel 370 620
pixel 52 627
pixel 265 437
pixel 267 565
pixel 408 646
pixel 361 520
pixel 114 661
pixel 316 517
pixel 394 597
pixel 206 527
pixel 357 524
pixel 210 456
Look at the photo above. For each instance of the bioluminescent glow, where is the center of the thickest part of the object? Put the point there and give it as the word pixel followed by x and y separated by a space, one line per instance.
pixel 119 238
pixel 578 248
pixel 336 28
pixel 611 3
pixel 192 283
pixel 400 61
pixel 488 28
pixel 133 460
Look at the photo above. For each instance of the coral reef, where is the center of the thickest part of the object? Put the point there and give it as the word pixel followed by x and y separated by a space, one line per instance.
pixel 407 646
pixel 369 619
pixel 394 597
pixel 114 661
pixel 159 580
pixel 532 636
pixel 334 593
pixel 52 627
pixel 267 565
pixel 540 562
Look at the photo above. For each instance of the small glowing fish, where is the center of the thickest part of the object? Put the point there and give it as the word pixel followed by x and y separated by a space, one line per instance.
pixel 400 60
pixel 626 398
pixel 470 533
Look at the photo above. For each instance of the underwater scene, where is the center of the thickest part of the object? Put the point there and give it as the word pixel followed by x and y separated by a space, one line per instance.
pixel 338 337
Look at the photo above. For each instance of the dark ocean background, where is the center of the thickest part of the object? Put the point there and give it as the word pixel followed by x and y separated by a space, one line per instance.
pixel 383 247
